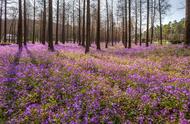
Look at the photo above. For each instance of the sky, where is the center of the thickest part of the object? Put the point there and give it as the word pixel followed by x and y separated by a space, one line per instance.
pixel 176 12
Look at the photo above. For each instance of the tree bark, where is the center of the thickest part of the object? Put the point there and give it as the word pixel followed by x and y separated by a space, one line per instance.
pixel 98 27
pixel 187 21
pixel 87 49
pixel 50 27
pixel 57 24
pixel 19 39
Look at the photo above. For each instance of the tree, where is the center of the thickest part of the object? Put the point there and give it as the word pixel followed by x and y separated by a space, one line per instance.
pixel 50 27
pixel 57 23
pixel 34 22
pixel 136 21
pixel 140 22
pixel 25 25
pixel 63 23
pixel 83 27
pixel 19 39
pixel 160 14
pixel 129 45
pixel 44 23
pixel 87 48
pixel 187 21
pixel 79 29
pixel 1 12
pixel 98 27
pixel 147 29
pixel 107 36
pixel 5 25
pixel 126 25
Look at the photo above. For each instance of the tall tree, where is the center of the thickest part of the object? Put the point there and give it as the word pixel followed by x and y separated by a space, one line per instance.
pixel 147 29
pixel 187 21
pixel 57 23
pixel 44 23
pixel 34 22
pixel 50 27
pixel 126 25
pixel 87 48
pixel 5 25
pixel 129 46
pixel 107 36
pixel 160 14
pixel 1 12
pixel 19 39
pixel 74 35
pixel 140 22
pixel 79 29
pixel 98 27
pixel 136 21
pixel 84 22
pixel 112 23
pixel 63 23
pixel 25 24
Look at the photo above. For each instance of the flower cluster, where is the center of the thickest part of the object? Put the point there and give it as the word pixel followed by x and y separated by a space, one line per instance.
pixel 115 85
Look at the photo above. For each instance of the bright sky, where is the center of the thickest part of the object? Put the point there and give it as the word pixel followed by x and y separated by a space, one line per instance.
pixel 176 12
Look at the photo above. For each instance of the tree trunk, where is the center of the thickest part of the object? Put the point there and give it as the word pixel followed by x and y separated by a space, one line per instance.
pixel 5 25
pixel 129 46
pixel 147 29
pixel 19 39
pixel 160 14
pixel 44 24
pixel 1 12
pixel 63 23
pixel 25 25
pixel 126 25
pixel 136 21
pixel 140 22
pixel 57 24
pixel 79 30
pixel 87 49
pixel 187 38
pixel 107 39
pixel 50 27
pixel 98 28
pixel 34 22
pixel 83 27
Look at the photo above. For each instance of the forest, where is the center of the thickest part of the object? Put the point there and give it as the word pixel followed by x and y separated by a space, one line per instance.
pixel 94 62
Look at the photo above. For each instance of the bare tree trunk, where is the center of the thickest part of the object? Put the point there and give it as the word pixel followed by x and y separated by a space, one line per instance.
pixel 147 29
pixel 187 38
pixel 25 25
pixel 57 24
pixel 44 24
pixel 34 22
pixel 153 19
pixel 136 21
pixel 126 25
pixel 19 39
pixel 79 30
pixel 50 27
pixel 74 39
pixel 129 46
pixel 1 12
pixel 112 25
pixel 140 22
pixel 160 14
pixel 98 28
pixel 63 23
pixel 5 25
pixel 83 27
pixel 107 39
pixel 87 49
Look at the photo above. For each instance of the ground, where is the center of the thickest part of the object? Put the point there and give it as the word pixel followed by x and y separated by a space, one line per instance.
pixel 115 85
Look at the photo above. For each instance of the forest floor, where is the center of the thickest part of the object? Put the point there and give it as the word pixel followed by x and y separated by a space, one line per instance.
pixel 115 85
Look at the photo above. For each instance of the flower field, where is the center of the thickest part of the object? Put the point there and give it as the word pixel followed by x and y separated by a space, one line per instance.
pixel 112 86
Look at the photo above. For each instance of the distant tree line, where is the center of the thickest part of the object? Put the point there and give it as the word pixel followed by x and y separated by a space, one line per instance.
pixel 88 21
